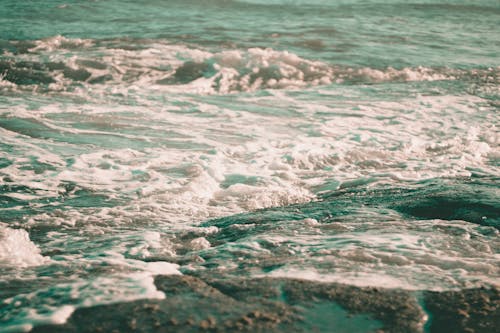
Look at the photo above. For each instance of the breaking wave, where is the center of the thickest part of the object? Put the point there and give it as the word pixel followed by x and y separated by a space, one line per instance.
pixel 62 64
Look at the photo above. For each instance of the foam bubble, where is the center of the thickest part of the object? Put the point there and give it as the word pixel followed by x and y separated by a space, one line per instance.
pixel 17 250
pixel 200 243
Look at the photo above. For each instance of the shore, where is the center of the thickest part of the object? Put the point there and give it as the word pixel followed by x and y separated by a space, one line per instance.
pixel 202 304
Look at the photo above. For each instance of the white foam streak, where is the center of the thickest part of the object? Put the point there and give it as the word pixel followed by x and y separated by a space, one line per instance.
pixel 378 254
pixel 60 42
pixel 360 279
pixel 242 166
pixel 56 304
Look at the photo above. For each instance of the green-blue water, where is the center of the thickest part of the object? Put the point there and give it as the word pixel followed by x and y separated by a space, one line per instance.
pixel 299 143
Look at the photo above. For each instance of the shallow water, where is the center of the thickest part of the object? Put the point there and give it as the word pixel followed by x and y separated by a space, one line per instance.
pixel 352 143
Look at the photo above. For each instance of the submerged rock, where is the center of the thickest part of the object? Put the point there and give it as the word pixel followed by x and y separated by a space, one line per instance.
pixel 202 304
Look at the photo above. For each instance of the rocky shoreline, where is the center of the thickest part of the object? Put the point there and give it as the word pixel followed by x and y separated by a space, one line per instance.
pixel 202 304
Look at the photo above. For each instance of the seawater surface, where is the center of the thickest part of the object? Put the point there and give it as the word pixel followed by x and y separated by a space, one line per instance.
pixel 349 143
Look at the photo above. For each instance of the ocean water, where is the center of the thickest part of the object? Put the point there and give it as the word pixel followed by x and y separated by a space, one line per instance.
pixel 267 145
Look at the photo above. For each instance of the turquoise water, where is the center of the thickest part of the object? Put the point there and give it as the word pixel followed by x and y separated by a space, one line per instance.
pixel 351 142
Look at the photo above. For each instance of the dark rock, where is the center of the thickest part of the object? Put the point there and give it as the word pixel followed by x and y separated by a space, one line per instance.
pixel 472 310
pixel 79 74
pixel 204 304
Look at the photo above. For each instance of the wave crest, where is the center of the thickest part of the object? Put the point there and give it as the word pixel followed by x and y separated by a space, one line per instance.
pixel 62 64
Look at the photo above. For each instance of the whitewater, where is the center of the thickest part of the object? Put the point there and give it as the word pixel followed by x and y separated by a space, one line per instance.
pixel 256 166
